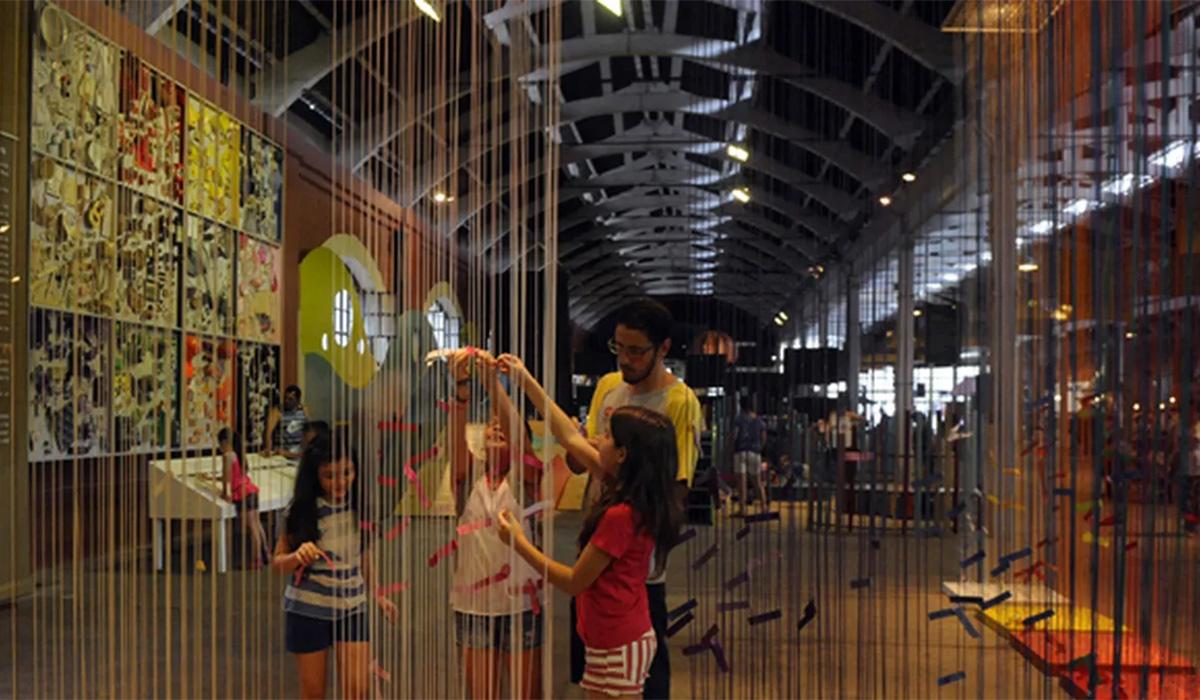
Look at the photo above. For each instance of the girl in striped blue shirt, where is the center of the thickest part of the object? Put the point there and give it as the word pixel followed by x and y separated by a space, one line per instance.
pixel 322 546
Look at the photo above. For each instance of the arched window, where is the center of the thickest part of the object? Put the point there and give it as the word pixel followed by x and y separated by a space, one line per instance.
pixel 445 324
pixel 343 317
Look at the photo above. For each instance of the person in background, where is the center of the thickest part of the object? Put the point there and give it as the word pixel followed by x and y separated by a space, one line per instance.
pixel 818 451
pixel 241 492
pixel 287 433
pixel 749 434
pixel 640 343
pixel 1191 492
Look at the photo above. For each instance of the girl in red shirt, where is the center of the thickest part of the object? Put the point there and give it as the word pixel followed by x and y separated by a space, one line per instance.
pixel 637 512
pixel 241 491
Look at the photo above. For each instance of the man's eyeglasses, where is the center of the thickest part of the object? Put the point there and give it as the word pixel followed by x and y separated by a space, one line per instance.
pixel 631 350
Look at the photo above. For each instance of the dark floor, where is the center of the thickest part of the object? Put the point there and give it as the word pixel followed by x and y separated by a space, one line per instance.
pixel 131 633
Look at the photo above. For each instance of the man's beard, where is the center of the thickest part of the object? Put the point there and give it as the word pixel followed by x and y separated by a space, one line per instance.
pixel 630 378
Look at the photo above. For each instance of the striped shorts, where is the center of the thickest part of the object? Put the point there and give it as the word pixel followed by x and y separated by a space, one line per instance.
pixel 620 671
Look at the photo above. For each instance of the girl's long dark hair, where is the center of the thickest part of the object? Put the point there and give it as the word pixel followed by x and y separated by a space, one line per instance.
pixel 235 441
pixel 646 479
pixel 302 519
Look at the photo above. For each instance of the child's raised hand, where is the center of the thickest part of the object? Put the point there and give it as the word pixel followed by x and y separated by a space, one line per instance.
pixel 509 527
pixel 513 367
pixel 460 364
pixel 307 553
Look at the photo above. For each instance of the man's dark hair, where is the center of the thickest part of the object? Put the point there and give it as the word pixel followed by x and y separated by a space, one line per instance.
pixel 320 427
pixel 649 317
pixel 747 404
pixel 292 389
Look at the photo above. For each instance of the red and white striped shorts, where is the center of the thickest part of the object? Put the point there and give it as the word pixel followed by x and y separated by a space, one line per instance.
pixel 620 671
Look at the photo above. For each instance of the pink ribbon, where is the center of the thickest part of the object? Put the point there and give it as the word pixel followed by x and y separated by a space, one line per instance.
pixel 450 548
pixel 411 474
pixel 398 529
pixel 468 528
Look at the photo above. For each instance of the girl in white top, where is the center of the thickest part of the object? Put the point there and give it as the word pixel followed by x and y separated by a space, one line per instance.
pixel 495 595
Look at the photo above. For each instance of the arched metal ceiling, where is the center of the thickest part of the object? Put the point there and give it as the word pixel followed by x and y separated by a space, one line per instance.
pixel 648 103
pixel 671 226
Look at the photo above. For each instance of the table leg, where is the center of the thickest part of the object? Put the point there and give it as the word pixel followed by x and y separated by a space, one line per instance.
pixel 219 545
pixel 157 537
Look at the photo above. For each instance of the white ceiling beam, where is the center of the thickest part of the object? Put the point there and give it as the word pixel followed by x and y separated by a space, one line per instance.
pixel 752 59
pixel 284 82
pixel 154 15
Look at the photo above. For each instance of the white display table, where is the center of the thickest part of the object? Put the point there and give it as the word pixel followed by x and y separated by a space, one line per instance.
pixel 190 489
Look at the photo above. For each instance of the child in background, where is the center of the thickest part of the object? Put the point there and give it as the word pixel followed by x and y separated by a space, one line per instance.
pixel 325 602
pixel 239 490
pixel 495 624
pixel 637 512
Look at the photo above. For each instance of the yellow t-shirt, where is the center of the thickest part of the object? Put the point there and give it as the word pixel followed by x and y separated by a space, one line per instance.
pixel 676 402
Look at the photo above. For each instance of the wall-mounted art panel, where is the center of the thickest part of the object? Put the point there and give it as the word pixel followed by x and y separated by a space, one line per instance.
pixel 258 290
pixel 74 93
pixel 258 386
pixel 213 163
pixel 145 389
pixel 208 277
pixel 72 251
pixel 262 188
pixel 151 233
pixel 150 131
pixel 68 385
pixel 208 382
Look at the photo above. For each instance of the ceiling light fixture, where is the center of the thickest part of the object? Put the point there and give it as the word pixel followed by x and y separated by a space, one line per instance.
pixel 885 201
pixel 917 313
pixel 1170 157
pixel 439 197
pixel 1041 228
pixel 736 152
pixel 613 6
pixel 778 321
pixel 1077 207
pixel 426 7
pixel 909 177
pixel 783 315
pixel 741 194
pixel 1028 267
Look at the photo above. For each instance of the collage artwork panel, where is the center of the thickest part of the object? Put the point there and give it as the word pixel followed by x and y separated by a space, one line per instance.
pixel 156 220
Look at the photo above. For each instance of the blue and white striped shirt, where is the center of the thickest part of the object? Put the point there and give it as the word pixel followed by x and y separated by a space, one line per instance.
pixel 329 591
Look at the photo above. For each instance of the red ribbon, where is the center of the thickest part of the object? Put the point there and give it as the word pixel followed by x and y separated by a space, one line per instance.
pixel 531 588
pixel 444 552
pixel 398 529
pixel 411 474
pixel 497 577
pixel 389 589
pixel 468 528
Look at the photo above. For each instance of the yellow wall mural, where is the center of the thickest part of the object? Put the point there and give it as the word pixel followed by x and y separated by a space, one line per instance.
pixel 334 347
pixel 340 339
